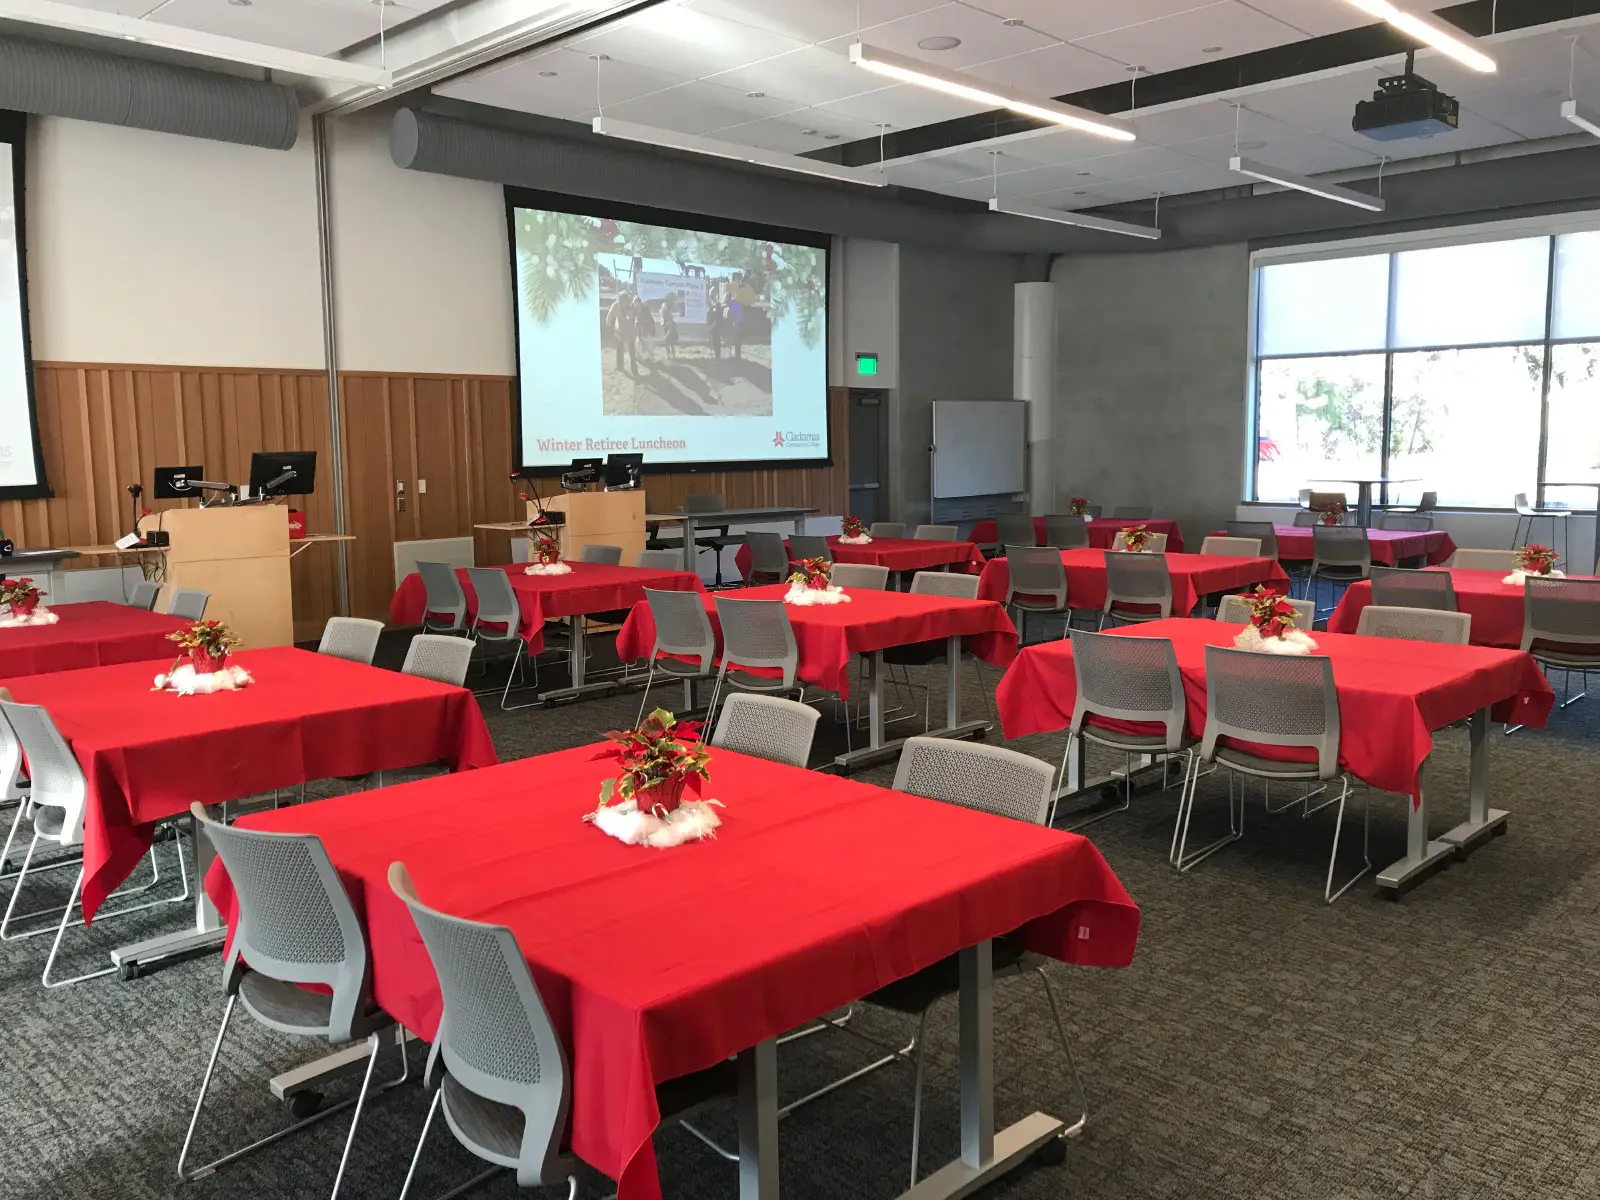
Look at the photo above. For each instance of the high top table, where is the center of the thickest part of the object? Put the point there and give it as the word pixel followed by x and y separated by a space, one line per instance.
pixel 1364 495
pixel 692 521
pixel 1594 547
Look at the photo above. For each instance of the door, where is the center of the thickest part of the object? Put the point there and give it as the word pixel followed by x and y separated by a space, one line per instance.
pixel 869 435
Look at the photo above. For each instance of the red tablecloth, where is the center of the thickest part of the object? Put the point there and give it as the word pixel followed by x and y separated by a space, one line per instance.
pixel 828 635
pixel 1391 693
pixel 1193 576
pixel 591 588
pixel 1102 531
pixel 1389 546
pixel 898 554
pixel 149 755
pixel 1496 607
pixel 93 634
pixel 657 963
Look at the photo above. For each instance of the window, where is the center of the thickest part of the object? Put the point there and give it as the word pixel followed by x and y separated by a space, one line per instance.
pixel 1473 370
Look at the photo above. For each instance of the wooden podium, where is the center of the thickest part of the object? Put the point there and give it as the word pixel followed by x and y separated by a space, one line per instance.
pixel 240 555
pixel 599 518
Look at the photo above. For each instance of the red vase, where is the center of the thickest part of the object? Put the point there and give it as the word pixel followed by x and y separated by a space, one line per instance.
pixel 24 606
pixel 206 663
pixel 662 799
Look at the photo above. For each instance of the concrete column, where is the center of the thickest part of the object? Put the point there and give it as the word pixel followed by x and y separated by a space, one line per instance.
pixel 1033 372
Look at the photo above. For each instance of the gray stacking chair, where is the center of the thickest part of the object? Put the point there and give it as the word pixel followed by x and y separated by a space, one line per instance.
pixel 1528 517
pixel 935 533
pixel 296 927
pixel 521 550
pixel 1038 584
pixel 684 629
pixel 1232 547
pixel 1273 700
pixel 860 575
pixel 1137 512
pixel 716 538
pixel 1127 679
pixel 921 654
pixel 1416 624
pixel 1015 530
pixel 1484 560
pixel 1428 502
pixel 1066 532
pixel 1340 554
pixel 444 598
pixel 498 622
pixel 755 633
pixel 1397 587
pixel 439 657
pixel 354 639
pixel 809 545
pixel 1305 520
pixel 659 560
pixel 144 594
pixel 887 529
pixel 189 603
pixel 1405 522
pixel 1560 628
pixel 767 727
pixel 1234 611
pixel 1137 579
pixel 1264 532
pixel 605 556
pixel 769 558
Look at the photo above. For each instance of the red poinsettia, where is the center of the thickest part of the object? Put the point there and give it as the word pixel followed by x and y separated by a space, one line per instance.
pixel 661 760
pixel 1135 537
pixel 1535 559
pixel 1270 612
pixel 812 573
pixel 21 594
pixel 546 547
pixel 1333 511
pixel 854 527
pixel 207 645
pixel 1079 506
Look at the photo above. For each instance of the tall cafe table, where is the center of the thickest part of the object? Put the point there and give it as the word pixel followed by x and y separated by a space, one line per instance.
pixel 590 588
pixel 1102 531
pixel 1496 606
pixel 148 755
pixel 900 555
pixel 829 636
pixel 91 634
pixel 1594 546
pixel 1193 576
pixel 1390 547
pixel 693 522
pixel 815 892
pixel 1364 494
pixel 1393 695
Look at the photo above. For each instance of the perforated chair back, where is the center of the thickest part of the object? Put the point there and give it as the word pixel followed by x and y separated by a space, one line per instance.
pixel 1128 679
pixel 499 616
pixel 1343 548
pixel 1036 571
pixel 768 558
pixel 860 575
pixel 1232 547
pixel 702 502
pixel 444 597
pixel 1272 700
pixel 1405 522
pixel 296 922
pixel 354 639
pixel 1138 512
pixel 1015 530
pixel 683 628
pixel 1429 501
pixel 439 657
pixel 767 727
pixel 144 594
pixel 757 633
pixel 1396 587
pixel 809 545
pixel 57 779
pixel 1484 560
pixel 1156 543
pixel 1138 579
pixel 1415 624
pixel 1066 532
pixel 189 603
pixel 887 529
pixel 521 550
pixel 1562 612
pixel 1264 532
pixel 989 779
pixel 1234 611
pixel 495 1037
pixel 659 560
pixel 935 533
pixel 945 583
pixel 1304 520
pixel 10 757
pixel 606 556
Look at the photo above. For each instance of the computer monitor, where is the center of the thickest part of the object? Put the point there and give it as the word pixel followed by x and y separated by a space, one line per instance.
pixel 283 472
pixel 587 464
pixel 172 483
pixel 623 470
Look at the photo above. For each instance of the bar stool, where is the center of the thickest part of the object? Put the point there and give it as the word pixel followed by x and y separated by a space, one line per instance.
pixel 1527 512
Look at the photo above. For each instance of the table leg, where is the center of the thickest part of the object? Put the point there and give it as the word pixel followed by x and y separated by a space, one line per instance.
pixel 878 749
pixel 952 682
pixel 1422 854
pixel 579 652
pixel 206 937
pixel 578 667
pixel 1364 504
pixel 1482 821
pixel 874 665
pixel 690 550
pixel 758 1122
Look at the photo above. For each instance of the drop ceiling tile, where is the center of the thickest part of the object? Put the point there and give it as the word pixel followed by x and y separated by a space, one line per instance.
pixel 984 37
pixel 813 20
pixel 937 172
pixel 302 25
pixel 1177 41
pixel 1531 108
pixel 1204 118
pixel 685 41
pixel 1083 18
pixel 1317 17
pixel 811 75
pixel 1317 104
pixel 800 130
pixel 569 93
pixel 1518 58
pixel 700 108
pixel 1056 70
pixel 903 106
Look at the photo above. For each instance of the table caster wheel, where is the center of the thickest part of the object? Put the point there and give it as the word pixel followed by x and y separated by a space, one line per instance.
pixel 128 971
pixel 1111 792
pixel 302 1104
pixel 1053 1153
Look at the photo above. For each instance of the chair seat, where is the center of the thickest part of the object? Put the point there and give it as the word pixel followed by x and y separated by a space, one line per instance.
pixel 746 682
pixel 490 1129
pixel 914 993
pixel 1571 656
pixel 1035 604
pixel 1133 614
pixel 677 667
pixel 283 1005
pixel 1327 571
pixel 1119 740
pixel 1267 768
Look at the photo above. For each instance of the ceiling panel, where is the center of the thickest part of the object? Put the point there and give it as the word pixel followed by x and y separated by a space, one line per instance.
pixel 1180 40
pixel 1070 19
pixel 1318 17
pixel 305 25
pixel 904 106
pixel 983 37
pixel 810 75
pixel 1528 107
pixel 570 92
pixel 799 131
pixel 697 107
pixel 813 20
pixel 1054 70
pixel 684 41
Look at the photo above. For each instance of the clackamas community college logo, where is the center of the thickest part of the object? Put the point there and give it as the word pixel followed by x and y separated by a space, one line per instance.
pixel 789 440
pixel 777 438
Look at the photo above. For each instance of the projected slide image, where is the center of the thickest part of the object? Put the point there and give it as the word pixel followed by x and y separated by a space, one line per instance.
pixel 19 469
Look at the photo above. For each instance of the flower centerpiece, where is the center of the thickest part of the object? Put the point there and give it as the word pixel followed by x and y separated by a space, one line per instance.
pixel 855 532
pixel 21 598
pixel 1333 512
pixel 1135 538
pixel 812 583
pixel 1272 625
pixel 1079 506
pixel 655 799
pixel 202 663
pixel 547 555
pixel 1534 559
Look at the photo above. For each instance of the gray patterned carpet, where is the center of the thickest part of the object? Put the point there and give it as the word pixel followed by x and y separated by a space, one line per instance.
pixel 1262 1045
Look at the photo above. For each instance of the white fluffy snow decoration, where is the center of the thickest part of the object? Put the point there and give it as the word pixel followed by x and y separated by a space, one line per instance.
pixel 40 616
pixel 864 540
pixel 802 596
pixel 1294 642
pixel 689 822
pixel 187 682
pixel 1515 579
pixel 555 568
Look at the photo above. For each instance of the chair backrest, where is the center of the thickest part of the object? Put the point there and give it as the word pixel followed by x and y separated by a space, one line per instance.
pixel 935 533
pixel 945 583
pixel 606 556
pixel 1484 560
pixel 1234 611
pixel 1156 543
pixel 144 594
pixel 1344 546
pixel 659 560
pixel 887 529
pixel 1396 587
pixel 1016 530
pixel 1405 522
pixel 495 1037
pixel 1263 531
pixel 1429 501
pixel 1066 531
pixel 1232 547
pixel 521 550
pixel 10 756
pixel 444 596
pixel 1094 511
pixel 1563 611
pixel 1304 519
pixel 990 779
pixel 1415 624
pixel 57 779
pixel 683 627
pixel 1272 700
pixel 767 727
pixel 809 545
pixel 1324 501
pixel 296 922
pixel 767 554
pixel 1142 579
pixel 1520 503
pixel 860 575
pixel 189 603
pixel 1138 512
pixel 439 657
pixel 757 633
pixel 352 638
pixel 1036 571
pixel 1128 679
pixel 700 502
pixel 499 615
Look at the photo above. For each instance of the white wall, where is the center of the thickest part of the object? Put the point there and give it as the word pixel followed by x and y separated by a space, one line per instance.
pixel 149 248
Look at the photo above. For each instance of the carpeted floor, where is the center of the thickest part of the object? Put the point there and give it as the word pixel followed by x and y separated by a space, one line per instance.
pixel 1262 1044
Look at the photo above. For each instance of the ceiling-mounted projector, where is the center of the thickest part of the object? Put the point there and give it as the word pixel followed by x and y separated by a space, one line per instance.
pixel 1406 106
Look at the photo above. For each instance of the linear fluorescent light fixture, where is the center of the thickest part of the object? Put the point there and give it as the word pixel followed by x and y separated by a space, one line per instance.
pixel 1311 187
pixel 651 136
pixel 1081 220
pixel 1585 119
pixel 1454 44
pixel 969 87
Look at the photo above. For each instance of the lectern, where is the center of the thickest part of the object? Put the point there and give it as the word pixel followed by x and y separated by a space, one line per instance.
pixel 239 554
pixel 599 518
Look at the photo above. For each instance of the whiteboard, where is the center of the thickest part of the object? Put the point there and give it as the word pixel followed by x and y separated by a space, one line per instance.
pixel 980 448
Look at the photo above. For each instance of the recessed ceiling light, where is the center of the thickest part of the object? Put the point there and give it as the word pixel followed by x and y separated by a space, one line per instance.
pixel 939 43
pixel 241 3
pixel 1080 191
pixel 830 137
pixel 1210 49
pixel 542 74
pixel 808 133
pixel 754 95
pixel 1252 144
pixel 1086 174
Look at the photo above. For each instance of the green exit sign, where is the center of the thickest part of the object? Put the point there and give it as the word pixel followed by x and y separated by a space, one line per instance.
pixel 866 364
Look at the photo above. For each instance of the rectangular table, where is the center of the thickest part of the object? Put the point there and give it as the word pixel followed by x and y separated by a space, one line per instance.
pixel 1193 576
pixel 1496 606
pixel 1102 531
pixel 96 633
pixel 148 755
pixel 1392 695
pixel 693 522
pixel 591 588
pixel 898 554
pixel 829 636
pixel 815 892
pixel 1390 547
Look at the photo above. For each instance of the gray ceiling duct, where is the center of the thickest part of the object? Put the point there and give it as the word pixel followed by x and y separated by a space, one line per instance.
pixel 88 85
